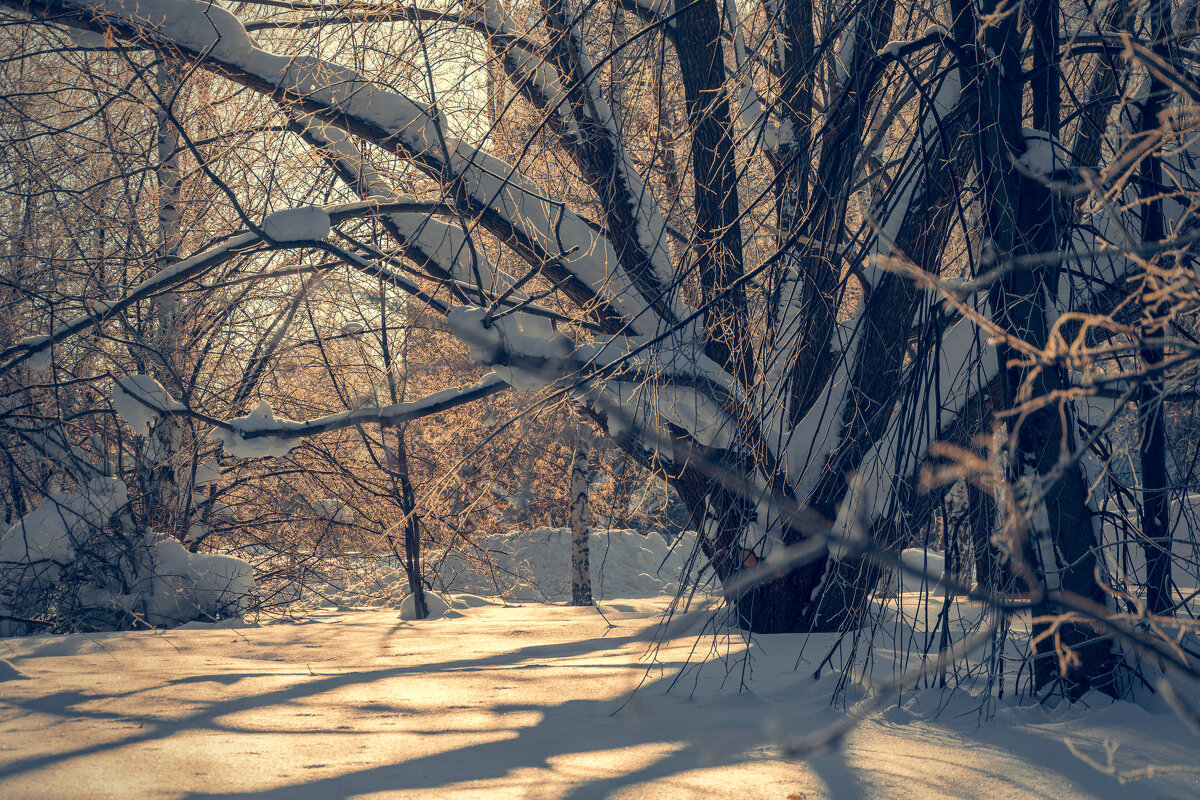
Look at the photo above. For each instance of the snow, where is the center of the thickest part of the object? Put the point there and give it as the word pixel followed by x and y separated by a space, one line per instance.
pixel 526 566
pixel 208 472
pixel 524 350
pixel 10 673
pixel 39 362
pixel 140 400
pixel 44 540
pixel 534 565
pixel 812 440
pixel 754 117
pixel 236 443
pixel 435 604
pixel 304 224
pixel 846 51
pixel 262 435
pixel 699 415
pixel 928 562
pixel 51 553
pixel 1043 153
pixel 522 702
pixel 189 586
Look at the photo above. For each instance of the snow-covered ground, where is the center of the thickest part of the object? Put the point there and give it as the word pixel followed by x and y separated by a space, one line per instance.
pixel 511 694
pixel 507 701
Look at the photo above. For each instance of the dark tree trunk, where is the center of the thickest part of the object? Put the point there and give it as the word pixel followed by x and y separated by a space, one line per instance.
pixel 1024 217
pixel 718 248
pixel 1156 528
pixel 412 529
pixel 581 579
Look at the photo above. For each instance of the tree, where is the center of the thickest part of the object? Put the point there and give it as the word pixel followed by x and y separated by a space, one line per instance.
pixel 886 226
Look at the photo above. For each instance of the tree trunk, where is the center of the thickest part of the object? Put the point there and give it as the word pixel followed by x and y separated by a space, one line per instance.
pixel 581 580
pixel 398 459
pixel 162 500
pixel 412 529
pixel 1025 217
pixel 1156 527
pixel 718 235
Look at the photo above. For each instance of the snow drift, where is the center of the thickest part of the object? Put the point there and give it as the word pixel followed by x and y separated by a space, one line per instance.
pixel 534 565
pixel 526 566
pixel 76 563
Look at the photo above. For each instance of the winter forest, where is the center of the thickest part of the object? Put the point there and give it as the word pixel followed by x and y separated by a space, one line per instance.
pixel 599 398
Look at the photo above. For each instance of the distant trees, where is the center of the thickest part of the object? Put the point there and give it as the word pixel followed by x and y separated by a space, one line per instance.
pixel 816 263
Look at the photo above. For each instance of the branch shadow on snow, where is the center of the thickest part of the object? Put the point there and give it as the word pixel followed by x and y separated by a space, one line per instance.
pixel 69 704
pixel 527 748
pixel 575 744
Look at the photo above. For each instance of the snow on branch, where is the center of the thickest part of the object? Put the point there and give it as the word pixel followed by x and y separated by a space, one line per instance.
pixel 637 383
pixel 439 248
pixel 261 434
pixel 955 374
pixel 754 118
pixel 297 225
pixel 650 11
pixel 140 400
pixel 590 133
pixel 38 347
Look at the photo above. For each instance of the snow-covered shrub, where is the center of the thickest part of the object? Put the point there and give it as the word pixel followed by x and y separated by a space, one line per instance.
pixel 75 563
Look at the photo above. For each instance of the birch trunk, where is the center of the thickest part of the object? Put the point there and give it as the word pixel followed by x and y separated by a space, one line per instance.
pixel 162 498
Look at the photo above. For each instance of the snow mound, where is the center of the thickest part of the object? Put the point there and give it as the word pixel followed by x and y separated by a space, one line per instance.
pixel 76 562
pixel 534 565
pixel 196 586
pixel 43 542
pixel 523 566
pixel 931 564
pixel 464 600
pixel 435 604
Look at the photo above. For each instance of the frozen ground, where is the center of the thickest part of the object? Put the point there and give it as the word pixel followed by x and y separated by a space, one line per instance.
pixel 512 701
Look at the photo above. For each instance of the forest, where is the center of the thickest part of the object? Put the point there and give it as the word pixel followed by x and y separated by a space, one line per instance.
pixel 835 306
